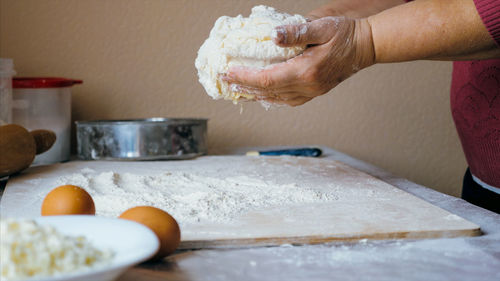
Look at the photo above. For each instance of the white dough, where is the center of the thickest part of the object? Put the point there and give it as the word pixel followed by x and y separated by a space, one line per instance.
pixel 242 41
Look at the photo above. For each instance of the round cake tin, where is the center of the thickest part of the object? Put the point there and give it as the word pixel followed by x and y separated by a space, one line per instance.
pixel 141 139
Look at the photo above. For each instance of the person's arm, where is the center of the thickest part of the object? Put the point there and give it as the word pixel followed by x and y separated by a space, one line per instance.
pixel 339 47
pixel 353 8
pixel 431 29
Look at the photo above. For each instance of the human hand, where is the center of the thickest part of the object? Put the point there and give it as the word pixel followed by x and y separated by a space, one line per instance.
pixel 338 48
pixel 355 9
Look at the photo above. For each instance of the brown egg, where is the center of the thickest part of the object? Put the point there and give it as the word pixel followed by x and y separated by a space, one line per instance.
pixel 161 223
pixel 68 200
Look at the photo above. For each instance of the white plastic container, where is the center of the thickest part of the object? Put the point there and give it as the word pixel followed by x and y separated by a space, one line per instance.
pixel 6 73
pixel 45 103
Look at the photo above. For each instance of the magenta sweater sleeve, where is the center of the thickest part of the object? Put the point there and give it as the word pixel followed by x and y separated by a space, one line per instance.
pixel 489 11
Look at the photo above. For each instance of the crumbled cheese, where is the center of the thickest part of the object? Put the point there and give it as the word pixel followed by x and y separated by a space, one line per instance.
pixel 29 250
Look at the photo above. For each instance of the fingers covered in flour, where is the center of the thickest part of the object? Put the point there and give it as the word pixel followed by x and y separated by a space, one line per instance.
pixel 314 32
pixel 337 48
pixel 275 77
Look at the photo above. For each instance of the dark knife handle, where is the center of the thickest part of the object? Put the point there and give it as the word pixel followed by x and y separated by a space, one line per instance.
pixel 307 152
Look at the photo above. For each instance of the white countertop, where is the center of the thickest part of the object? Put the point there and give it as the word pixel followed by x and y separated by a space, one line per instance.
pixel 473 258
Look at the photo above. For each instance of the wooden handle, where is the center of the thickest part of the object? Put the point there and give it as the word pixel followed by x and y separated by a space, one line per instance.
pixel 17 149
pixel 44 140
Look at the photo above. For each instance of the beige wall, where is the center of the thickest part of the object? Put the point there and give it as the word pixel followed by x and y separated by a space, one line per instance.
pixel 137 60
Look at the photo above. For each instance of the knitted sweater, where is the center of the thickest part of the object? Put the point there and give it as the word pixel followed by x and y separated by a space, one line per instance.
pixel 475 103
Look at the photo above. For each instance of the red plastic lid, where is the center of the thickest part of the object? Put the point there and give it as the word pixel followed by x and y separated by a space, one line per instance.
pixel 43 82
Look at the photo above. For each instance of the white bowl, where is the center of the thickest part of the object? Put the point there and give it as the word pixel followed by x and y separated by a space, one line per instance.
pixel 131 242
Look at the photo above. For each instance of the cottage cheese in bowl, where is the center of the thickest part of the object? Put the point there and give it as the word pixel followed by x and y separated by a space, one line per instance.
pixel 30 250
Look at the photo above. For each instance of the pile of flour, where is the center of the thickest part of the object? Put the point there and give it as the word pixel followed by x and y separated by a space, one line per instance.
pixel 189 197
pixel 245 42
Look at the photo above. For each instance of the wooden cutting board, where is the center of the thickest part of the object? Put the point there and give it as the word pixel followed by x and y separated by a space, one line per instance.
pixel 363 208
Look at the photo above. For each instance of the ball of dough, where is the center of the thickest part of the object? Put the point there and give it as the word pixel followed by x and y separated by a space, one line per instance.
pixel 161 223
pixel 68 200
pixel 245 42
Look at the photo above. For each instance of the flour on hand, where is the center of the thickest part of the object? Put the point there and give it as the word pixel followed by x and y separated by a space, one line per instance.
pixel 240 41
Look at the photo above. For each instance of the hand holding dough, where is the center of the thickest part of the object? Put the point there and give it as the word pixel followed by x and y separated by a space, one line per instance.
pixel 338 48
pixel 240 41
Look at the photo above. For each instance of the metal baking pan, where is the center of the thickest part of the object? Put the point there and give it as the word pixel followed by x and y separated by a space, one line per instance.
pixel 141 139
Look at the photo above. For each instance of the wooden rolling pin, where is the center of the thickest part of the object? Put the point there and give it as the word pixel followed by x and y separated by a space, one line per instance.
pixel 18 147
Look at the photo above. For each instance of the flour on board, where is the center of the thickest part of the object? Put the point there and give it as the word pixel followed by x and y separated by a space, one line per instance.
pixel 190 197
